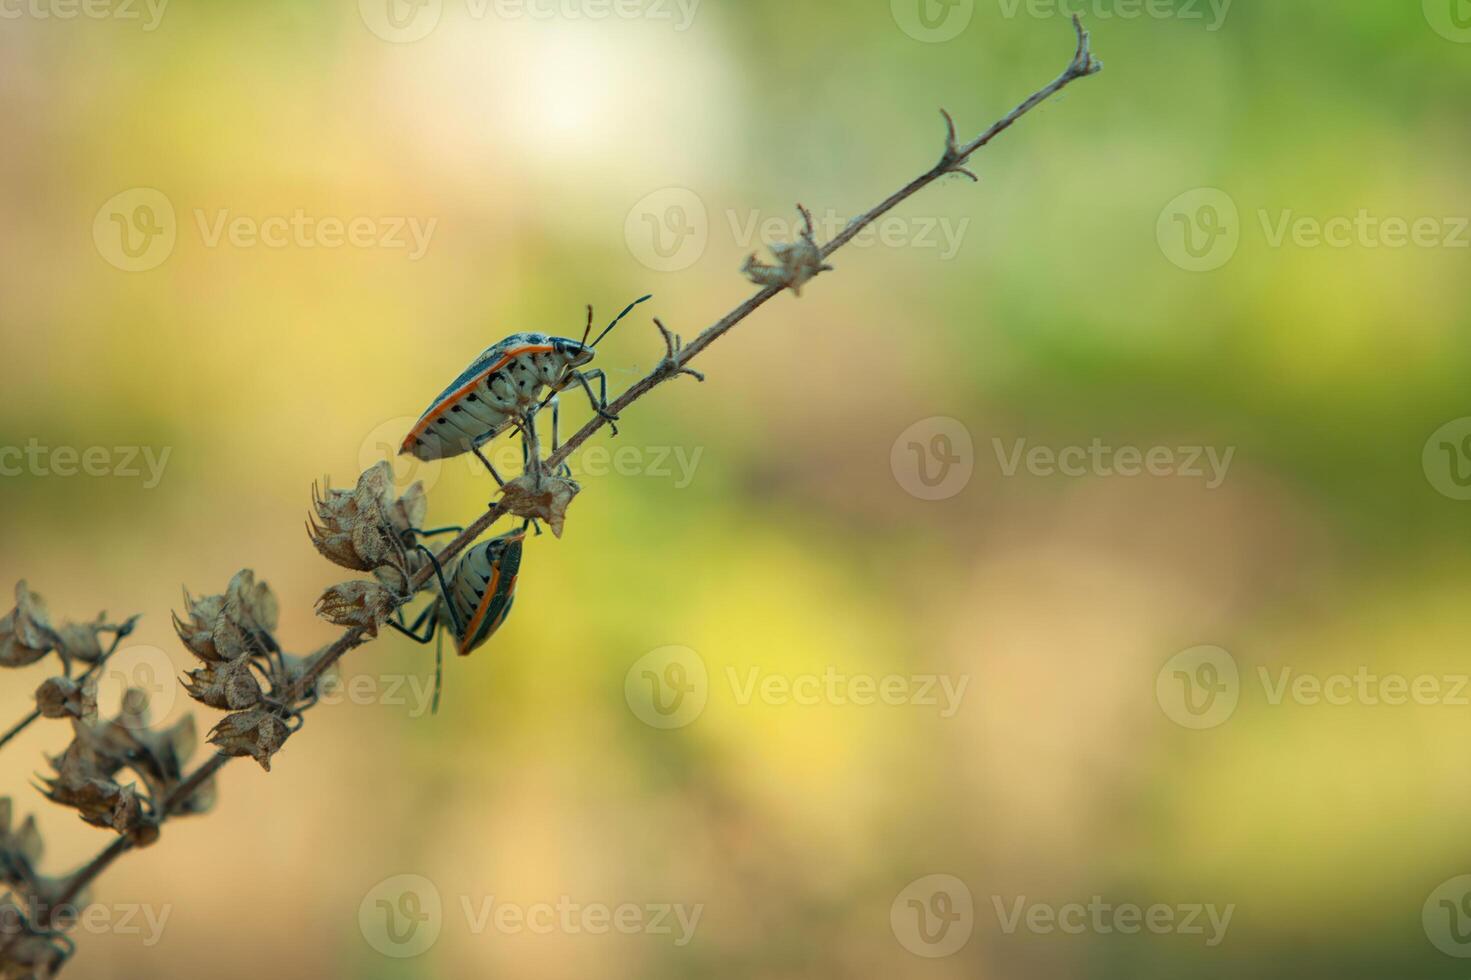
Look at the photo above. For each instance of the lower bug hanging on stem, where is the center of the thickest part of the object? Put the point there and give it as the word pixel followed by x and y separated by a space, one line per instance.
pixel 474 600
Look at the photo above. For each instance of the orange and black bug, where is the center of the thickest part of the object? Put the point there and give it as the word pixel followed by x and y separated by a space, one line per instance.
pixel 474 601
pixel 501 388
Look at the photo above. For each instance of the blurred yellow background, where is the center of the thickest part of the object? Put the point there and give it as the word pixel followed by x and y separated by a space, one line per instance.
pixel 1151 261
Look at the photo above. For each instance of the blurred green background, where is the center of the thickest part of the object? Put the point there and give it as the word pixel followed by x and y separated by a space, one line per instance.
pixel 555 161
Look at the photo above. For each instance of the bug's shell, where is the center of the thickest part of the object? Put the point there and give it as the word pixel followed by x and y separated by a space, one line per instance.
pixel 484 587
pixel 503 382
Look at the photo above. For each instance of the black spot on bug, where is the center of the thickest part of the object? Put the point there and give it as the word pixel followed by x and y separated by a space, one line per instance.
pixel 473 397
pixel 456 409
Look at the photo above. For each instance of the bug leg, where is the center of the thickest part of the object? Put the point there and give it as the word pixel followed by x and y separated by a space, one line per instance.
pixel 599 404
pixel 564 470
pixel 412 632
pixel 431 532
pixel 481 456
pixel 449 606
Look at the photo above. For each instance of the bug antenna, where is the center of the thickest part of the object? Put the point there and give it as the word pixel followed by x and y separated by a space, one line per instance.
pixel 626 310
pixel 587 330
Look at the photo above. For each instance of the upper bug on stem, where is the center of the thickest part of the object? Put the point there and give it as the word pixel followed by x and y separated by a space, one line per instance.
pixel 502 388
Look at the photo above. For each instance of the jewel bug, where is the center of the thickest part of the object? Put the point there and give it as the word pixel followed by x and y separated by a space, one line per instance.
pixel 474 600
pixel 500 389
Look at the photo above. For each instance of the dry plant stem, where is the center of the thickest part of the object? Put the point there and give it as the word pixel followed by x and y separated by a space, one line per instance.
pixel 671 366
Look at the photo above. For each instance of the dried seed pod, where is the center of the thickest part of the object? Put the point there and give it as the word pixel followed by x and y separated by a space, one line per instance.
pixel 230 685
pixel 236 624
pixel 358 603
pixel 26 634
pixel 63 697
pixel 100 801
pixel 257 733
pixel 545 498
pixel 797 262
pixel 21 846
pixel 366 528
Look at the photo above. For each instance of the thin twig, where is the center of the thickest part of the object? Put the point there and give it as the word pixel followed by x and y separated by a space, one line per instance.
pixel 672 365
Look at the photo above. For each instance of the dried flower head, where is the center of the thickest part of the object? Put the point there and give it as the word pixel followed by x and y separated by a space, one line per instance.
pixel 358 603
pixel 257 733
pixel 229 685
pixel 237 624
pixel 63 697
pixel 366 527
pixel 87 772
pixel 26 634
pixel 797 262
pixel 540 497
